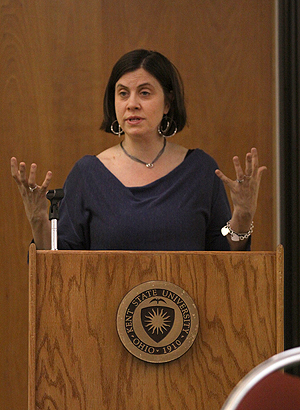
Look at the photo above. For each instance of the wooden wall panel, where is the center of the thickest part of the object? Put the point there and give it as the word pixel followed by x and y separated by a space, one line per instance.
pixel 55 57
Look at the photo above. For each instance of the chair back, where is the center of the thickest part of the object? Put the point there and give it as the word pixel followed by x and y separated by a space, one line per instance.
pixel 265 387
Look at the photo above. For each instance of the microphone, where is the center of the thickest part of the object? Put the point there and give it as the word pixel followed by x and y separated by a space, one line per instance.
pixel 54 196
pixel 55 193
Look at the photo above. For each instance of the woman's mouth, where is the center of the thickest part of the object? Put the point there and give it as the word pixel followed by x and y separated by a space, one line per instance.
pixel 134 120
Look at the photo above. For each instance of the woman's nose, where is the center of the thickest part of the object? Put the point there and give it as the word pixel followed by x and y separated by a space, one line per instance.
pixel 133 102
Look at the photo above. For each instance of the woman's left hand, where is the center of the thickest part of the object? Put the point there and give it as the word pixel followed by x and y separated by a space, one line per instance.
pixel 244 190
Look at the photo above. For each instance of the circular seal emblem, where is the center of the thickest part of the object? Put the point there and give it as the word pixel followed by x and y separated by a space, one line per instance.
pixel 157 321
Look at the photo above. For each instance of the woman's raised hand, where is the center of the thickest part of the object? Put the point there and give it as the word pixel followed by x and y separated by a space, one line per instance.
pixel 244 190
pixel 34 200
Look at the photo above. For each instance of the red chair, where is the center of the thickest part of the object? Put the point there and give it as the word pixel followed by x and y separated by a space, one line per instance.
pixel 278 391
pixel 266 388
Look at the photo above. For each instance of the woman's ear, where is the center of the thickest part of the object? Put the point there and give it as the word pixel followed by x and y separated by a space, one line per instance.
pixel 169 98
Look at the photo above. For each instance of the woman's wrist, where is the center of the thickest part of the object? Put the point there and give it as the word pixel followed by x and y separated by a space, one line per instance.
pixel 41 230
pixel 236 236
pixel 241 221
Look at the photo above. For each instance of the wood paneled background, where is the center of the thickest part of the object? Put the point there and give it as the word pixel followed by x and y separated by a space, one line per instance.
pixel 55 58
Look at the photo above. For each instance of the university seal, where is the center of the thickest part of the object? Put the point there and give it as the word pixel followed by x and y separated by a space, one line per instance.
pixel 157 321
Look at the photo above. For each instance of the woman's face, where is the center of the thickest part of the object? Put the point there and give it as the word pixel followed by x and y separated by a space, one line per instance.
pixel 140 103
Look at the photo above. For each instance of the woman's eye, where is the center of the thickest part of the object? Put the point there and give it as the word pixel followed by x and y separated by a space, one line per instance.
pixel 145 93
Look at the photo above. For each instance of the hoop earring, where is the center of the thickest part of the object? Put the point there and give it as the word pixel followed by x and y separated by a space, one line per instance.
pixel 167 125
pixel 119 132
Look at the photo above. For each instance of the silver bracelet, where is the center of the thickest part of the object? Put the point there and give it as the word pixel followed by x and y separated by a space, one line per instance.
pixel 234 235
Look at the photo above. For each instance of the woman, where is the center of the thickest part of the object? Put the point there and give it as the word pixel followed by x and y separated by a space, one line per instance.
pixel 145 193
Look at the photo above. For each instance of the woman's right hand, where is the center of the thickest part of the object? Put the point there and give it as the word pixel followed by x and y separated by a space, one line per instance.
pixel 34 200
pixel 33 195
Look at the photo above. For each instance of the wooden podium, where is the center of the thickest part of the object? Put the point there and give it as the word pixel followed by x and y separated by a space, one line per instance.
pixel 76 358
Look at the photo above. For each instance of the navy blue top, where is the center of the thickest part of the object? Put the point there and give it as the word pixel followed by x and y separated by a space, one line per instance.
pixel 183 210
